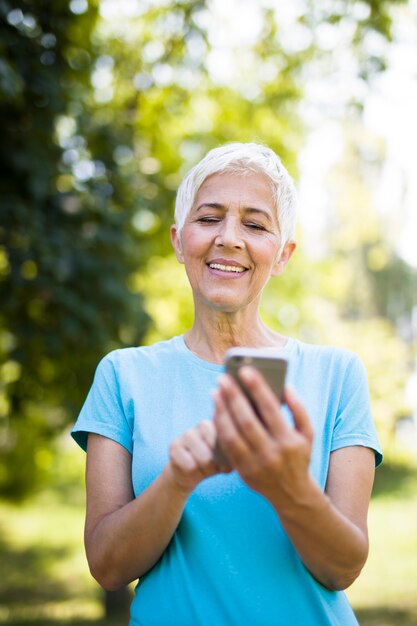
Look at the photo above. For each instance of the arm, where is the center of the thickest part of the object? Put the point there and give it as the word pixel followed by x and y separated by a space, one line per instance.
pixel 328 530
pixel 124 535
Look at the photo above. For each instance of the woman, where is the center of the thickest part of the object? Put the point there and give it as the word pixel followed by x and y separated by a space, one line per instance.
pixel 272 537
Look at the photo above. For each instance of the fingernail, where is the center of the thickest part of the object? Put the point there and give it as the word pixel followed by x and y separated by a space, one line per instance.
pixel 246 373
pixel 223 382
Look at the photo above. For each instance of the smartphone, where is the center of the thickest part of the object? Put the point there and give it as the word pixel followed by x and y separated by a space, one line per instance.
pixel 272 368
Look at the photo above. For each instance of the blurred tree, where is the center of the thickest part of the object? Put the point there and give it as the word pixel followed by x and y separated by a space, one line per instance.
pixel 101 114
pixel 103 107
pixel 365 280
pixel 66 250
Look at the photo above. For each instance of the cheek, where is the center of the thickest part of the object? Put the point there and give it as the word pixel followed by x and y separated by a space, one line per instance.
pixel 193 254
pixel 195 248
pixel 192 243
pixel 267 254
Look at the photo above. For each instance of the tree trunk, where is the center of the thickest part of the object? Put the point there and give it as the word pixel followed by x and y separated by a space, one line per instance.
pixel 117 603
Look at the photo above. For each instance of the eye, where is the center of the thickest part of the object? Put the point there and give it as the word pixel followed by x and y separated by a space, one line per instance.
pixel 254 226
pixel 208 220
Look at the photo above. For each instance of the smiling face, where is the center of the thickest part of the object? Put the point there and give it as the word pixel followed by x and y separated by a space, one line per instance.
pixel 230 242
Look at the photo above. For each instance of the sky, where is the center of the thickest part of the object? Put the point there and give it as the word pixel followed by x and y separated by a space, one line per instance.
pixel 390 100
pixel 392 113
pixel 390 105
pixel 389 114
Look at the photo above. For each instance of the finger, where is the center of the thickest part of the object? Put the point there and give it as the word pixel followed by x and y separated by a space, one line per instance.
pixel 242 413
pixel 265 400
pixel 198 447
pixel 182 458
pixel 301 420
pixel 208 432
pixel 231 441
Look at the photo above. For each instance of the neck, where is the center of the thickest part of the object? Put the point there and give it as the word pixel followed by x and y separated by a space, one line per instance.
pixel 215 332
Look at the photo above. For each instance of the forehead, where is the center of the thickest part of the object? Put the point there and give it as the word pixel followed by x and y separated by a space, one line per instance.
pixel 234 188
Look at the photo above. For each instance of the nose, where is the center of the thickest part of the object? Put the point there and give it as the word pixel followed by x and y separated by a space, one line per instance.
pixel 229 235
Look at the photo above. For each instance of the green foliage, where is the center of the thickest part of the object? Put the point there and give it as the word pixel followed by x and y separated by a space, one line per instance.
pixel 169 300
pixel 66 252
pixel 369 290
pixel 99 121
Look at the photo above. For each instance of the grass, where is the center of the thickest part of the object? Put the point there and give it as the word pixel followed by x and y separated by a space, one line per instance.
pixel 44 580
pixel 386 592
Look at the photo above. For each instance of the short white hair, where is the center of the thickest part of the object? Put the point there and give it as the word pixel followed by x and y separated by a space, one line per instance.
pixel 242 158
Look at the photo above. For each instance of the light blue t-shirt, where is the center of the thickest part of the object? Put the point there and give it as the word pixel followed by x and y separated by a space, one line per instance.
pixel 229 562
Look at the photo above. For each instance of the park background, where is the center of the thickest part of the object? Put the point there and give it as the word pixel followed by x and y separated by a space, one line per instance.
pixel 104 106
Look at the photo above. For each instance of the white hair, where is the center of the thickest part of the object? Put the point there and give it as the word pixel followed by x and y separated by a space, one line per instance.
pixel 242 158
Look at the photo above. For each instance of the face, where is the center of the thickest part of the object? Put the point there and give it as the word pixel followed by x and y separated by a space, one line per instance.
pixel 230 242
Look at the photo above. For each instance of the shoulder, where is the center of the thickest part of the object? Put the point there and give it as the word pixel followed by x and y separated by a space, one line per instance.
pixel 124 359
pixel 325 353
pixel 324 361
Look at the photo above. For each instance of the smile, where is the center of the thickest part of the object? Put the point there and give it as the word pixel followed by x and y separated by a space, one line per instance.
pixel 237 269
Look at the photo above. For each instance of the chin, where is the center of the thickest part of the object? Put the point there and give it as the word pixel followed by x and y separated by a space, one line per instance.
pixel 226 305
pixel 223 302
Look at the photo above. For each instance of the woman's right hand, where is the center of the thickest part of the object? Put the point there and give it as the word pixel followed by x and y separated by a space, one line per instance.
pixel 125 535
pixel 191 457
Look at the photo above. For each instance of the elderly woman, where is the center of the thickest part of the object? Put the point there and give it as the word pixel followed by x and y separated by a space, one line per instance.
pixel 272 536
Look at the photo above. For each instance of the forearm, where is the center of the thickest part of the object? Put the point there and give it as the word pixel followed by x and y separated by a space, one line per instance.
pixel 332 547
pixel 126 543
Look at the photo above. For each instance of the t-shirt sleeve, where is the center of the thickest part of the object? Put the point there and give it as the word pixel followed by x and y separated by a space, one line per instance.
pixel 354 425
pixel 102 412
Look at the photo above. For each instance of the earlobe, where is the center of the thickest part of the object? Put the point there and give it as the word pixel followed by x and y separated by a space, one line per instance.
pixel 282 260
pixel 176 243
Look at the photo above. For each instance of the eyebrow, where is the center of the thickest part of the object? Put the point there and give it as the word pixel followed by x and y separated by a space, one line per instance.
pixel 221 207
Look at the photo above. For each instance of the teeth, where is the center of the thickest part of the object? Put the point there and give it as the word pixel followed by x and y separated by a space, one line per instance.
pixel 227 268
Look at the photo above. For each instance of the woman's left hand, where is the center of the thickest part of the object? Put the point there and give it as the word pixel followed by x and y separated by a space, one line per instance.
pixel 328 530
pixel 270 455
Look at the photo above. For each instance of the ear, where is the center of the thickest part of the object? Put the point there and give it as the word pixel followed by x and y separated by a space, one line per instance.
pixel 176 243
pixel 282 260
